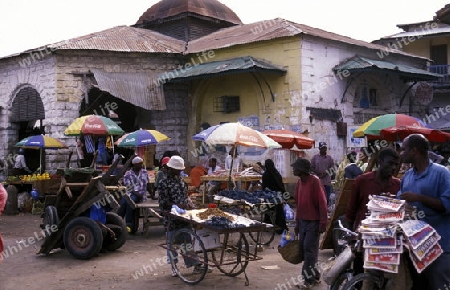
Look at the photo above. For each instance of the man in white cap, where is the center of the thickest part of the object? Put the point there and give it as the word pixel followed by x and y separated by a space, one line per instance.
pixel 137 183
pixel 173 191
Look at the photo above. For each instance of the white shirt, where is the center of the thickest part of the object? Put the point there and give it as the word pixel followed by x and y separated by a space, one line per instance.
pixel 20 162
pixel 211 171
pixel 236 163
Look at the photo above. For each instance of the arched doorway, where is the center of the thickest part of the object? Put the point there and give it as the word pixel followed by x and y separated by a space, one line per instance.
pixel 101 103
pixel 27 111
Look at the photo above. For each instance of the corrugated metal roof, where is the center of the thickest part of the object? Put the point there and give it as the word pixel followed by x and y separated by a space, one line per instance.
pixel 123 39
pixel 443 14
pixel 223 67
pixel 419 32
pixel 272 29
pixel 364 64
pixel 139 89
pixel 208 8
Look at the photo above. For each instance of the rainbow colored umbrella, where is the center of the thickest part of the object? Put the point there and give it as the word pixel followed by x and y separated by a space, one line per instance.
pixel 93 125
pixel 141 138
pixel 372 128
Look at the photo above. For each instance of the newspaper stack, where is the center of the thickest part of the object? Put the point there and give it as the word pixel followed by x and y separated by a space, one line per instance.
pixel 422 241
pixel 382 246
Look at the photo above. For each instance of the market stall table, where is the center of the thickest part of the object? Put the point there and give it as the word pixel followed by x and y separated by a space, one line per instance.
pixel 225 178
pixel 43 186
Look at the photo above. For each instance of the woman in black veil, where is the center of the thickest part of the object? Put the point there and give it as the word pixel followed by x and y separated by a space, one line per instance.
pixel 272 180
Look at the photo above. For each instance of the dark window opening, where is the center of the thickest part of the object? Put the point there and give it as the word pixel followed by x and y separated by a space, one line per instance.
pixel 226 104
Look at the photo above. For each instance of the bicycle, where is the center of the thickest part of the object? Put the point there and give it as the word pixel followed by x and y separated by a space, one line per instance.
pixel 344 240
pixel 370 280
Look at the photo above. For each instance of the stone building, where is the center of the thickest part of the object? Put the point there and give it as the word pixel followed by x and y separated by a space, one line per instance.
pixel 189 63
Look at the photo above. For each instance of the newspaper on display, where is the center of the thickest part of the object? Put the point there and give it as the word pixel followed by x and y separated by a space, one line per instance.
pixel 385 232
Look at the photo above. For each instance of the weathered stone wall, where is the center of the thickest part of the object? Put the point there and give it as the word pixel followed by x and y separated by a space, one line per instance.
pixel 36 70
pixel 58 77
pixel 322 88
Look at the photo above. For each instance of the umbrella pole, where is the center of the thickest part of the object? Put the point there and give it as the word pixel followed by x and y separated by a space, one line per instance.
pixel 231 171
pixel 40 160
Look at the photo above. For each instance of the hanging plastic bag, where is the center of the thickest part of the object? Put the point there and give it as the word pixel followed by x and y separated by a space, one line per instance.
pixel 288 212
pixel 285 238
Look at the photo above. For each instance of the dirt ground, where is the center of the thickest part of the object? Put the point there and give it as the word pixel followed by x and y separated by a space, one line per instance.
pixel 134 266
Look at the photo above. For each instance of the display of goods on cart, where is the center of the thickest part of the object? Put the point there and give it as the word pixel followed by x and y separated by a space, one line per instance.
pixel 254 197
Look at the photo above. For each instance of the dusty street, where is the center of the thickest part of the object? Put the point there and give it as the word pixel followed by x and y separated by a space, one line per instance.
pixel 134 266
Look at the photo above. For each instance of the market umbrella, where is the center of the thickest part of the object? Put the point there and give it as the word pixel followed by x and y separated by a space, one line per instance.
pixel 40 142
pixel 398 133
pixel 235 134
pixel 287 139
pixel 93 125
pixel 141 138
pixel 372 128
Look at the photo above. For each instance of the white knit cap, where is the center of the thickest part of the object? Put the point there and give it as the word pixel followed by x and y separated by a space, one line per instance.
pixel 137 160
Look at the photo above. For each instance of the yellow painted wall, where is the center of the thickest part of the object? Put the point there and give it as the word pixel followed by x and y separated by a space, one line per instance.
pixel 422 46
pixel 283 52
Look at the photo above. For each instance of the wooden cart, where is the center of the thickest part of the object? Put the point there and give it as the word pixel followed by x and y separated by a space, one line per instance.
pixel 202 246
pixel 67 222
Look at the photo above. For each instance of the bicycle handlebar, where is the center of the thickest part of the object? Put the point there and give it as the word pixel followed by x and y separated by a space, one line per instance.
pixel 344 229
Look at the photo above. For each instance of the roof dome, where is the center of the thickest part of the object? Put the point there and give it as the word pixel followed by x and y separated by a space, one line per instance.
pixel 207 8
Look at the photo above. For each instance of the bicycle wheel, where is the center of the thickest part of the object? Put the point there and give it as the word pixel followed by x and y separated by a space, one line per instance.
pixel 266 236
pixel 188 256
pixel 341 280
pixel 369 281
pixel 233 257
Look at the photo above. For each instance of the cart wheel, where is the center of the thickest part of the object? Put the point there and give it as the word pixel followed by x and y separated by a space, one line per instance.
pixel 83 238
pixel 233 256
pixel 116 224
pixel 188 256
pixel 50 220
pixel 268 234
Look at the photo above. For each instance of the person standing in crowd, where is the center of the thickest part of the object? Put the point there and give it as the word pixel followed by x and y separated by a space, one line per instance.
pixel 311 218
pixel 3 199
pixel 233 160
pixel 137 185
pixel 363 161
pixel 233 157
pixel 272 180
pixel 427 187
pixel 197 172
pixel 373 183
pixel 20 165
pixel 162 173
pixel 320 165
pixel 213 186
pixel 173 191
pixel 352 170
pixel 102 154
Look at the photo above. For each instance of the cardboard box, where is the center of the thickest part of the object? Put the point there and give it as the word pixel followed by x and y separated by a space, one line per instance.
pixel 209 238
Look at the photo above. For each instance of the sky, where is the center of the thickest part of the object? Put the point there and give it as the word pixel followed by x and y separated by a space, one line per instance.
pixel 26 24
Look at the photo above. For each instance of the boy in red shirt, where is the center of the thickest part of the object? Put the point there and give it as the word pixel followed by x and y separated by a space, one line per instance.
pixel 311 218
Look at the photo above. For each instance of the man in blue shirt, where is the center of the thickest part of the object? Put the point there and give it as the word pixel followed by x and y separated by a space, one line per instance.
pixel 427 187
